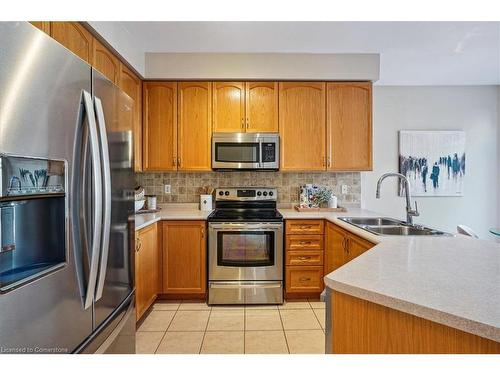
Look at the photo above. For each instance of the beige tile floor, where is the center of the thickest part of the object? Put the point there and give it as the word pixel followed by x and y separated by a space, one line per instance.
pixel 296 327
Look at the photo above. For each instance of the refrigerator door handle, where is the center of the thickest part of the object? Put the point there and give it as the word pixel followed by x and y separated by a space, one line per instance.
pixel 106 173
pixel 97 200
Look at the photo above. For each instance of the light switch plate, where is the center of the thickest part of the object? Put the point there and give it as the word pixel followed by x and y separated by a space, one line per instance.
pixel 345 189
pixel 167 189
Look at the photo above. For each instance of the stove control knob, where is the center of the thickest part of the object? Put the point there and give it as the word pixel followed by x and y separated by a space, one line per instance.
pixel 271 193
pixel 227 192
pixel 265 193
pixel 259 193
pixel 221 192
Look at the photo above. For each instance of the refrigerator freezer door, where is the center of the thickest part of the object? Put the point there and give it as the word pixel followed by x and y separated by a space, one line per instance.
pixel 114 111
pixel 41 86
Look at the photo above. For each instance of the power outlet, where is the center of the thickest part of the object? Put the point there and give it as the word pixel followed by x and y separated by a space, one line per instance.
pixel 345 189
pixel 167 189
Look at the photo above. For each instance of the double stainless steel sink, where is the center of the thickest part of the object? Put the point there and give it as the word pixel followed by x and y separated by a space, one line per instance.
pixel 391 227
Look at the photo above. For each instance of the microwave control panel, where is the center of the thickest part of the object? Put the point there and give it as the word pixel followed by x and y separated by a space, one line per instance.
pixel 268 152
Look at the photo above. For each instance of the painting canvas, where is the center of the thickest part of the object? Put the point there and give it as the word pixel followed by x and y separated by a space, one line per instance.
pixel 433 161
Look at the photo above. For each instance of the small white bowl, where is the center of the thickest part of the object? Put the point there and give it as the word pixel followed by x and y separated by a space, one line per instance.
pixel 139 204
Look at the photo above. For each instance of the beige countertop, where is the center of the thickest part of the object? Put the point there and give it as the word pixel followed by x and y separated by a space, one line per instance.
pixel 454 281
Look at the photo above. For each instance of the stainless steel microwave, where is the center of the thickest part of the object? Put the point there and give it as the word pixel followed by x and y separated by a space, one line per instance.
pixel 245 151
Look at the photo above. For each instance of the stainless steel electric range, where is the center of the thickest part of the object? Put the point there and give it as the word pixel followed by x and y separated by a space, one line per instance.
pixel 245 251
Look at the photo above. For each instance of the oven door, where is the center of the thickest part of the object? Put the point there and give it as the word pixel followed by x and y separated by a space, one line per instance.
pixel 245 251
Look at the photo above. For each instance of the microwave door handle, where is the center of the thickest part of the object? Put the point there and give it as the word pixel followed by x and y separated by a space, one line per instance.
pixel 106 174
pixel 96 198
pixel 260 154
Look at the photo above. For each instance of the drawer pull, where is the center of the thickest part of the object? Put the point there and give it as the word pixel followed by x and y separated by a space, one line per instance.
pixel 305 279
pixel 305 227
pixel 304 258
pixel 305 242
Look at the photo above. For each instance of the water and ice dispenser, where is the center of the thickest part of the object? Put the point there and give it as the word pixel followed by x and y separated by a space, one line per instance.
pixel 32 219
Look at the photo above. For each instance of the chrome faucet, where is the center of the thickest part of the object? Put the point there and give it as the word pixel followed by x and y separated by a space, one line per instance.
pixel 409 211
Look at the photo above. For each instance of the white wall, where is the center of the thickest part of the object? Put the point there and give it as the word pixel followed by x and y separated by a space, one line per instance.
pixel 264 66
pixel 473 109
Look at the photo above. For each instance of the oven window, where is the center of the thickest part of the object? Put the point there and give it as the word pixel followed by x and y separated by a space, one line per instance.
pixel 245 249
pixel 237 152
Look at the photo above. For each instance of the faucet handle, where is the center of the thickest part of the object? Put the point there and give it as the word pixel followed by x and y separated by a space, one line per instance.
pixel 416 213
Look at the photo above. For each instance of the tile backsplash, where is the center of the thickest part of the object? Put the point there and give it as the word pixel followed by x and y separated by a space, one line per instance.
pixel 185 186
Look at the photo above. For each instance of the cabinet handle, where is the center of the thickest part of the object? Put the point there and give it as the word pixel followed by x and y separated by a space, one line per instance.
pixel 305 227
pixel 305 279
pixel 138 245
pixel 329 162
pixel 304 258
pixel 202 232
pixel 179 162
pixel 248 123
pixel 324 161
pixel 174 162
pixel 305 242
pixel 243 123
pixel 347 245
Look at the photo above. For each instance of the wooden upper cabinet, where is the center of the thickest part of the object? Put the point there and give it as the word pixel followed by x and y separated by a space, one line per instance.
pixel 229 107
pixel 74 37
pixel 302 126
pixel 335 251
pixel 349 124
pixel 261 107
pixel 132 86
pixel 184 257
pixel 194 126
pixel 160 126
pixel 42 25
pixel 105 61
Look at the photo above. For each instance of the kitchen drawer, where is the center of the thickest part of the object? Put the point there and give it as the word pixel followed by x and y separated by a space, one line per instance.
pixel 304 279
pixel 304 258
pixel 304 242
pixel 305 226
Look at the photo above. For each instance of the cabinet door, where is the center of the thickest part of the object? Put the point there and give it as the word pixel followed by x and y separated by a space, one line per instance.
pixel 74 37
pixel 335 251
pixel 349 119
pixel 261 107
pixel 131 84
pixel 357 246
pixel 105 61
pixel 195 126
pixel 160 126
pixel 42 25
pixel 302 126
pixel 184 257
pixel 146 268
pixel 229 107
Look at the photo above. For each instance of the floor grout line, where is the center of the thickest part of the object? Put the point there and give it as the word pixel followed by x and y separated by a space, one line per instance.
pixel 205 332
pixel 284 334
pixel 165 333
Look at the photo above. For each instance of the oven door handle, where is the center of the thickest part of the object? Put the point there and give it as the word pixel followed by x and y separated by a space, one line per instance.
pixel 220 285
pixel 245 226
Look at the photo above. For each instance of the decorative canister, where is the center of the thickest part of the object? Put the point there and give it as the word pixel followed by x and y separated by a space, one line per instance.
pixel 205 202
pixel 151 202
pixel 332 202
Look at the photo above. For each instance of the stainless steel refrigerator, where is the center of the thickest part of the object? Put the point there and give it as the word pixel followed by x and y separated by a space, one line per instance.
pixel 66 201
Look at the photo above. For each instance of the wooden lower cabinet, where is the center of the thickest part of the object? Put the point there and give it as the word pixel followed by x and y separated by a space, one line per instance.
pixel 304 247
pixel 147 272
pixel 342 247
pixel 304 279
pixel 184 258
pixel 363 327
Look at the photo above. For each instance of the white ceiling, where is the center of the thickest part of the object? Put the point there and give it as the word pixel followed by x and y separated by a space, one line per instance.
pixel 411 53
